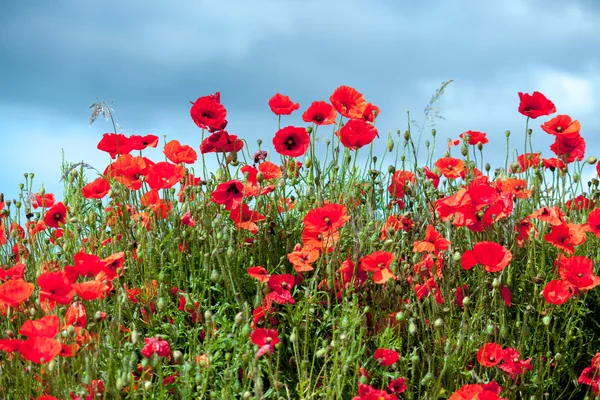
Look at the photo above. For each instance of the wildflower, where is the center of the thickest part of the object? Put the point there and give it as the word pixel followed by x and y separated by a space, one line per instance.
pixel 478 391
pixel 291 141
pixel 397 385
pixel 569 148
pixel 535 105
pixel 348 102
pixel 475 137
pixel 450 167
pixel 90 290
pixel 115 143
pixel 154 345
pixel 320 113
pixel 15 292
pixel 562 125
pixel 371 112
pixel 56 215
pixel 490 354
pixel 281 286
pixel 566 236
pixel 96 189
pixel 265 339
pixel 164 175
pixel 492 256
pixel 513 365
pixel 557 291
pixel 46 200
pixel 221 141
pixel 229 193
pixel 378 262
pixel 282 105
pixel 302 259
pixel 434 242
pixel 329 217
pixel 356 133
pixel 177 154
pixel 259 273
pixel 208 112
pixel 399 180
pixel 578 271
pixel 386 357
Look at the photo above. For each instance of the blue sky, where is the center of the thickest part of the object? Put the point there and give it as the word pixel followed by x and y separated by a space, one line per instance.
pixel 152 57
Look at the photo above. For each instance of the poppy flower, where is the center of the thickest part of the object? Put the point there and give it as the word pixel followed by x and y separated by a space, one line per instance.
pixel 394 224
pixel 139 142
pixel 460 294
pixel 56 215
pixel 221 141
pixel 55 287
pixel 115 143
pixel 348 102
pixel 76 315
pixel 490 354
pixel 46 200
pixel 265 339
pixel 156 346
pixel 282 105
pixel 477 391
pixel 378 262
pixel 399 180
pixel 528 160
pixel 320 113
pixel 450 167
pixel 569 148
pixel 47 326
pixel 40 349
pixel 291 141
pixel 434 242
pixel 550 215
pixel 430 286
pixel 505 293
pixel 371 112
pixel 580 202
pixel 90 290
pixel 366 392
pixel 208 112
pixel 475 137
pixel 303 258
pixel 557 291
pixel 562 125
pixel 356 133
pixel 17 271
pixel 535 105
pixel 513 365
pixel 433 177
pixel 492 256
pixel 330 216
pixel 128 171
pixel 386 357
pixel 164 175
pixel 578 271
pixel 178 153
pixel 229 193
pixel 96 189
pixel 514 187
pixel 259 273
pixel 15 292
pixel 281 286
pixel 245 218
pixel 566 236
pixel 397 385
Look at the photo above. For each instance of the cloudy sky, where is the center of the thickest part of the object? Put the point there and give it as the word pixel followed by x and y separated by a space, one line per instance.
pixel 152 57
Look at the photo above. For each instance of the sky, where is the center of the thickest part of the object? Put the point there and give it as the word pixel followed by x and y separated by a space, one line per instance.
pixel 150 58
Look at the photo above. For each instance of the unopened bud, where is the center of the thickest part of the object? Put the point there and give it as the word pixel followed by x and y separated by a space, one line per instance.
pixel 592 160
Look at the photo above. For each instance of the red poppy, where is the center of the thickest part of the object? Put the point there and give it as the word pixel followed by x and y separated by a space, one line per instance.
pixel 303 258
pixel 569 148
pixel 177 153
pixel 434 242
pixel 323 219
pixel 580 202
pixel 394 224
pixel 56 215
pixel 492 256
pixel 450 167
pixel 348 102
pixel 371 112
pixel 139 142
pixel 96 189
pixel 156 346
pixel 281 286
pixel 128 171
pixel 245 218
pixel 566 236
pixel 513 365
pixel 433 177
pixel 554 163
pixel 291 141
pixel 514 186
pixel 356 133
pixel 475 137
pixel 259 273
pixel 320 113
pixel 47 326
pixel 221 141
pixel 386 357
pixel 164 175
pixel 15 292
pixel 229 193
pixel 115 143
pixel 17 271
pixel 399 180
pixel 477 391
pixel 90 290
pixel 460 294
pixel 366 392
pixel 562 125
pixel 265 339
pixel 378 262
pixel 208 112
pixel 55 287
pixel 505 293
pixel 46 200
pixel 76 315
pixel 578 271
pixel 282 105
pixel 593 222
pixel 397 385
pixel 550 215
pixel 557 291
pixel 535 105
pixel 430 286
pixel 490 354
pixel 528 160
pixel 40 349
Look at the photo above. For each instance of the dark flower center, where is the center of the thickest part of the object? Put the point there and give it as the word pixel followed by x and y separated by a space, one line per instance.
pixel 290 143
pixel 57 216
pixel 580 275
pixel 319 118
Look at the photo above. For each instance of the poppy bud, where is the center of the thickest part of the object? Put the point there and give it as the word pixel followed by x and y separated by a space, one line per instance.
pixel 575 177
pixel 247 395
pixel 259 142
pixel 406 135
pixel 546 320
pixel 464 150
pixel 507 133
pixel 391 169
pixel 307 162
pixel 220 175
pixel 438 323
pixel 390 145
pixel 466 301
pixel 487 167
pixel 147 385
pixel 558 357
pixel 489 329
pixel 495 282
pixel 412 328
pixel 309 130
pixel 592 160
pixel 433 132
pixel 208 315
pixel 239 319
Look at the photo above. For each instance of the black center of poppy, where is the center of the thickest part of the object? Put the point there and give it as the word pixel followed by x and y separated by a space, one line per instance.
pixel 57 216
pixel 318 118
pixel 290 143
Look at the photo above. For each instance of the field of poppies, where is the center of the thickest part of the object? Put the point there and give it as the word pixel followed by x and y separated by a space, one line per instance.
pixel 319 270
